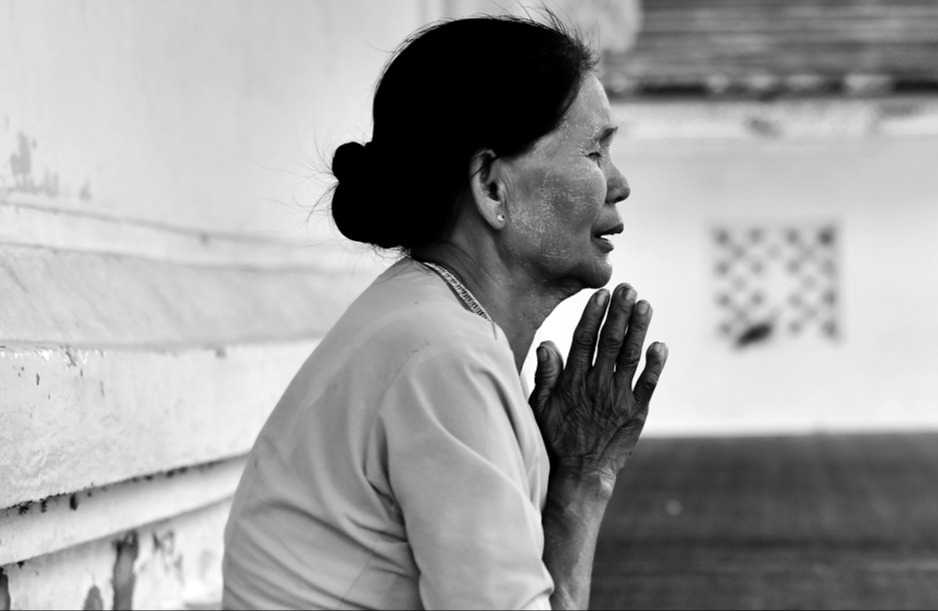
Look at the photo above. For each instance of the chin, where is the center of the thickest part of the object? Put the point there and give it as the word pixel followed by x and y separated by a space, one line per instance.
pixel 602 279
pixel 591 272
pixel 597 275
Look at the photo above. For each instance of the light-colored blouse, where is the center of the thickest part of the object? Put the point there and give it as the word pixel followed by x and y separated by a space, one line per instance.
pixel 402 468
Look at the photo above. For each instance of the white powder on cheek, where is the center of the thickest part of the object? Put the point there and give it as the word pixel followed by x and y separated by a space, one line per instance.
pixel 558 207
pixel 534 217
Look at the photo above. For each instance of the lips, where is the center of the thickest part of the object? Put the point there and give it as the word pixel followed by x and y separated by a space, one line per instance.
pixel 601 239
pixel 609 231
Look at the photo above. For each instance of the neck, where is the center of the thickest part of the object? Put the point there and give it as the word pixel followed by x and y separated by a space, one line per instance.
pixel 517 303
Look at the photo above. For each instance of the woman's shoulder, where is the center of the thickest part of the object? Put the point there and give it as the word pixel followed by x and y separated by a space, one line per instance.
pixel 410 306
pixel 409 326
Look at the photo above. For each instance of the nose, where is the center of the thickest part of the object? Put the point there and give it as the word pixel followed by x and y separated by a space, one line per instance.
pixel 617 187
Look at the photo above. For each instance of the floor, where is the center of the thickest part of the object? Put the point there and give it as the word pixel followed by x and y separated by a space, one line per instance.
pixel 798 522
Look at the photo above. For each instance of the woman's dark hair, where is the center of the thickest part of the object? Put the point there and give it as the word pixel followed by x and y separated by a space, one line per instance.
pixel 450 90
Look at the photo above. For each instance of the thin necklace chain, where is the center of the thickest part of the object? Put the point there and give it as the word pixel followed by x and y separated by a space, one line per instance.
pixel 461 291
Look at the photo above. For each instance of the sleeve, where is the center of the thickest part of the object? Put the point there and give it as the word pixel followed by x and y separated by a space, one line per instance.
pixel 457 473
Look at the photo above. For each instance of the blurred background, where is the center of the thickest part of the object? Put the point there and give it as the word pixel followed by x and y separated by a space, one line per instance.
pixel 167 262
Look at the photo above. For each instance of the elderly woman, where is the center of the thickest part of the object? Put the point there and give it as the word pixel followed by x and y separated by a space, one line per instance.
pixel 404 467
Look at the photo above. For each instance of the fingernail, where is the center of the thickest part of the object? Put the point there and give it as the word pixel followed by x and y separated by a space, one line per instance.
pixel 642 307
pixel 631 294
pixel 601 297
pixel 541 354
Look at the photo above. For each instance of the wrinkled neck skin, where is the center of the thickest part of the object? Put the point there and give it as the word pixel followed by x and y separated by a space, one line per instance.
pixel 511 293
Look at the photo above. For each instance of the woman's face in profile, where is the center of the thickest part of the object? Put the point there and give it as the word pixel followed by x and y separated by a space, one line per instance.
pixel 562 196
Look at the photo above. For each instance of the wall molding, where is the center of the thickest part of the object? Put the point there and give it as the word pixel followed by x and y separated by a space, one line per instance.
pixel 63 521
pixel 66 224
pixel 109 300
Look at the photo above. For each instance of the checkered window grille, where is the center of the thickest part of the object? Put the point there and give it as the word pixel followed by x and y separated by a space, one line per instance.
pixel 776 281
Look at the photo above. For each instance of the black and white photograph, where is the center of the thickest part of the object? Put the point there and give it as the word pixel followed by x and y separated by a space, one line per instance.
pixel 468 304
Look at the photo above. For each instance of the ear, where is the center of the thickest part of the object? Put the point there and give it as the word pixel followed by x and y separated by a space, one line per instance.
pixel 488 187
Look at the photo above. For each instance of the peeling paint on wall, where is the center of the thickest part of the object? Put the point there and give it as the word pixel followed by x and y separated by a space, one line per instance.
pixel 5 602
pixel 93 602
pixel 21 161
pixel 22 166
pixel 177 566
pixel 124 577
pixel 23 170
pixel 164 543
pixel 167 554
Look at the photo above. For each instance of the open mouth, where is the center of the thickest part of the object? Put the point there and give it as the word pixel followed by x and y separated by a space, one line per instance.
pixel 603 236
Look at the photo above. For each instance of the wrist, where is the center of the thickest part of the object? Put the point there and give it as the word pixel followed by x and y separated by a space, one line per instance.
pixel 582 480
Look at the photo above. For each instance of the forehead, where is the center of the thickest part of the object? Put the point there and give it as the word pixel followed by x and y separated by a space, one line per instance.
pixel 590 108
pixel 587 118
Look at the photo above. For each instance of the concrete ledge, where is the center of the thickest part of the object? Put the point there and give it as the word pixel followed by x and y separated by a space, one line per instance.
pixel 78 419
pixel 53 524
pixel 53 298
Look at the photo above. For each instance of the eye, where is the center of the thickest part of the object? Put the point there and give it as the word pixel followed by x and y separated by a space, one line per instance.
pixel 597 155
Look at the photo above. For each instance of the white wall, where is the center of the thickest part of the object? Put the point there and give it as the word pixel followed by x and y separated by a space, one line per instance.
pixel 160 281
pixel 174 111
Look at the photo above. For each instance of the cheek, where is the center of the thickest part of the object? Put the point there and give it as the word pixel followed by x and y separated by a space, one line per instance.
pixel 533 209
pixel 576 197
pixel 542 233
pixel 560 209
pixel 587 193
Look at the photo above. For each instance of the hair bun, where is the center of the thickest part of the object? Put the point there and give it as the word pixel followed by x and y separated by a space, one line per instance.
pixel 350 162
pixel 358 211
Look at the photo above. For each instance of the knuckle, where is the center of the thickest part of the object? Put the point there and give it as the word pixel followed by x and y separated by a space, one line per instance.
pixel 583 337
pixel 646 387
pixel 631 355
pixel 610 343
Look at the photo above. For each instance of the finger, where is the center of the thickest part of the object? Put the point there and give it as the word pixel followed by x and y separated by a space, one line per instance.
pixel 549 367
pixel 613 331
pixel 580 358
pixel 655 359
pixel 631 352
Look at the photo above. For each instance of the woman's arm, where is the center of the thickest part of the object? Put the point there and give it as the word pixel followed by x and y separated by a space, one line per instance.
pixel 572 516
pixel 458 479
pixel 591 417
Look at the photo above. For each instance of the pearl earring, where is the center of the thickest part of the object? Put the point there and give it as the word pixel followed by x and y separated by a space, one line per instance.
pixel 501 217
